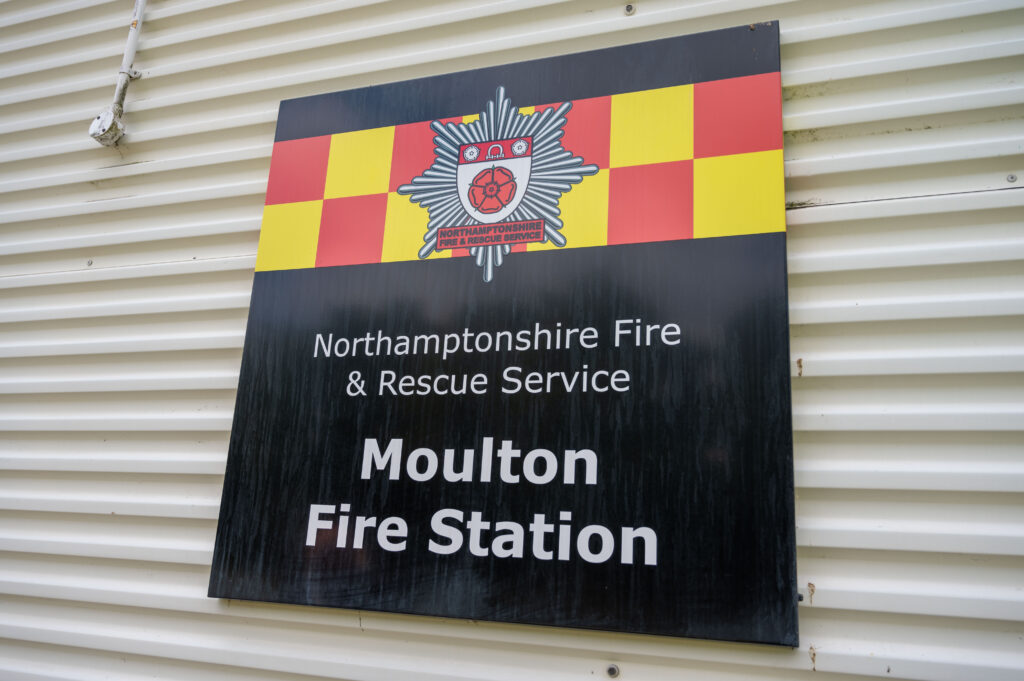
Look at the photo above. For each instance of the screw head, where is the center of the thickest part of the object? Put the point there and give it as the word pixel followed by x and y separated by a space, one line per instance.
pixel 630 9
pixel 613 671
pixel 88 262
pixel 1011 178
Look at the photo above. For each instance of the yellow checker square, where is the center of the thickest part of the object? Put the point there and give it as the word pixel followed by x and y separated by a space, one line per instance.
pixel 359 163
pixel 404 227
pixel 584 214
pixel 470 118
pixel 740 194
pixel 288 236
pixel 652 126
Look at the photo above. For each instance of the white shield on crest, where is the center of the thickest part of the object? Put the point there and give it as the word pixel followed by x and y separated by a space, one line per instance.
pixel 492 177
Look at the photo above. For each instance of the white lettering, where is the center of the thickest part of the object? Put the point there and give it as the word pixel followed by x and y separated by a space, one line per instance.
pixel 650 540
pixel 315 524
pixel 439 527
pixel 607 544
pixel 391 457
pixel 390 529
pixel 550 466
pixel 412 468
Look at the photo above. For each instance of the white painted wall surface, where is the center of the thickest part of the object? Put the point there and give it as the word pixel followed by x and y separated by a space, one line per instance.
pixel 124 282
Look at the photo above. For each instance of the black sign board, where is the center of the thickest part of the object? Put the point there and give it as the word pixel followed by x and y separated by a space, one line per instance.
pixel 518 349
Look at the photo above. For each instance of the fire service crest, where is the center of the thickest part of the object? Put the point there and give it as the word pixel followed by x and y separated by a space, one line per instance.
pixel 496 182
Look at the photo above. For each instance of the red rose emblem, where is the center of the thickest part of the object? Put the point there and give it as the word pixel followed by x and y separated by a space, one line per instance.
pixel 492 189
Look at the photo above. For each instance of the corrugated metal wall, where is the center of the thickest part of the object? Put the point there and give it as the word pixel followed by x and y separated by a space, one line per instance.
pixel 125 275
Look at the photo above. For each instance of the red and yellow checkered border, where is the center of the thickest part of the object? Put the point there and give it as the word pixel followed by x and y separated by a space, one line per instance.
pixel 690 161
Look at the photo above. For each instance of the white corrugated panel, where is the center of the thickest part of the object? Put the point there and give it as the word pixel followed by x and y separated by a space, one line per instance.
pixel 125 276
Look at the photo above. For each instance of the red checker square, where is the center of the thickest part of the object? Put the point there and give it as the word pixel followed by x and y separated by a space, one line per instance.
pixel 737 115
pixel 351 230
pixel 588 129
pixel 413 151
pixel 298 170
pixel 650 203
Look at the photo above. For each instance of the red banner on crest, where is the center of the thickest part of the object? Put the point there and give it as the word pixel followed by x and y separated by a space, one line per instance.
pixel 497 234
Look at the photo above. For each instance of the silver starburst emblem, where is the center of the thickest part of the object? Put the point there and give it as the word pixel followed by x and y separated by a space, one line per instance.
pixel 496 182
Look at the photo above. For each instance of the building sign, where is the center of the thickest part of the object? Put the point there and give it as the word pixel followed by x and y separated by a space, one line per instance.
pixel 518 349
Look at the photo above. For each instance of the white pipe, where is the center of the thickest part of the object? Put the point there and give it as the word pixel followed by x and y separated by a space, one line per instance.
pixel 108 127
